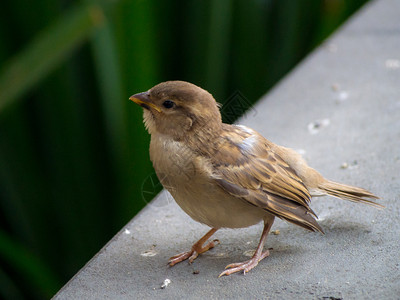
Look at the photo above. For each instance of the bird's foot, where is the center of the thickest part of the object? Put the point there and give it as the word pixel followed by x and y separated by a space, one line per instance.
pixel 182 256
pixel 245 266
pixel 192 254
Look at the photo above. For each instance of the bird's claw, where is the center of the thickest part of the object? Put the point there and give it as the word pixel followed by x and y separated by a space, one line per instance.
pixel 180 257
pixel 192 254
pixel 245 266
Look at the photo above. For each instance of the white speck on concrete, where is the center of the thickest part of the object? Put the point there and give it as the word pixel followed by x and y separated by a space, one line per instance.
pixel 392 64
pixel 149 253
pixel 347 165
pixel 342 96
pixel 165 283
pixel 316 126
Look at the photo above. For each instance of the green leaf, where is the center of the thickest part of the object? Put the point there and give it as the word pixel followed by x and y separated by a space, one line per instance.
pixel 31 268
pixel 47 51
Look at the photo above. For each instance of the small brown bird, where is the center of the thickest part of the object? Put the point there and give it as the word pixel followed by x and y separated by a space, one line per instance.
pixel 226 175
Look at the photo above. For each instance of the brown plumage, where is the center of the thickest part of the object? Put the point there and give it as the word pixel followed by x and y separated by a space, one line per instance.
pixel 229 175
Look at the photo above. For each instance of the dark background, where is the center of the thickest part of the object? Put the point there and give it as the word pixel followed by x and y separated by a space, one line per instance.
pixel 73 151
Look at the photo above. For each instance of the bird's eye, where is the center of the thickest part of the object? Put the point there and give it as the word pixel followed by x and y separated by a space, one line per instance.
pixel 168 104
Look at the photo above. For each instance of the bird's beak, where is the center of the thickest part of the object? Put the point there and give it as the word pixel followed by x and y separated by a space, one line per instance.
pixel 144 101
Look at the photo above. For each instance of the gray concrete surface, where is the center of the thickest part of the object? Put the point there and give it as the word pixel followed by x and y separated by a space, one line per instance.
pixel 352 80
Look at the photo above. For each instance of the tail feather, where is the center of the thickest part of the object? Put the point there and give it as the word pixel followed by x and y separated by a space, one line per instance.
pixel 348 192
pixel 293 212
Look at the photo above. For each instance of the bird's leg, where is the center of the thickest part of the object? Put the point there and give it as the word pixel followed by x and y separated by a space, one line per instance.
pixel 197 249
pixel 246 266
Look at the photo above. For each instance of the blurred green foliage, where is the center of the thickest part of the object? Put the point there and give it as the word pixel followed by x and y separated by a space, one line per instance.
pixel 73 151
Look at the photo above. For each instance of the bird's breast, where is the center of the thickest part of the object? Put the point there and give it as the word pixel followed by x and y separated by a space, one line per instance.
pixel 188 177
pixel 174 162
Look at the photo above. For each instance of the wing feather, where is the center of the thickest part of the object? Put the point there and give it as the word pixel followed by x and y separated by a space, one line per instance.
pixel 255 173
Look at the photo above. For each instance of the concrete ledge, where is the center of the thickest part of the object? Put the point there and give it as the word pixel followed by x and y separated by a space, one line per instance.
pixel 352 83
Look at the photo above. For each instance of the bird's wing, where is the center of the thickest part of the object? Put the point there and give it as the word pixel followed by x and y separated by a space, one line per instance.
pixel 245 166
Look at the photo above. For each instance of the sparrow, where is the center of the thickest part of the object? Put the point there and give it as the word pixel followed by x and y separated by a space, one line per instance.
pixel 229 176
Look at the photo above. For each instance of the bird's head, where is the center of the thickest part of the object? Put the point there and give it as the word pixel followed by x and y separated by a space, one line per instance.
pixel 178 109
